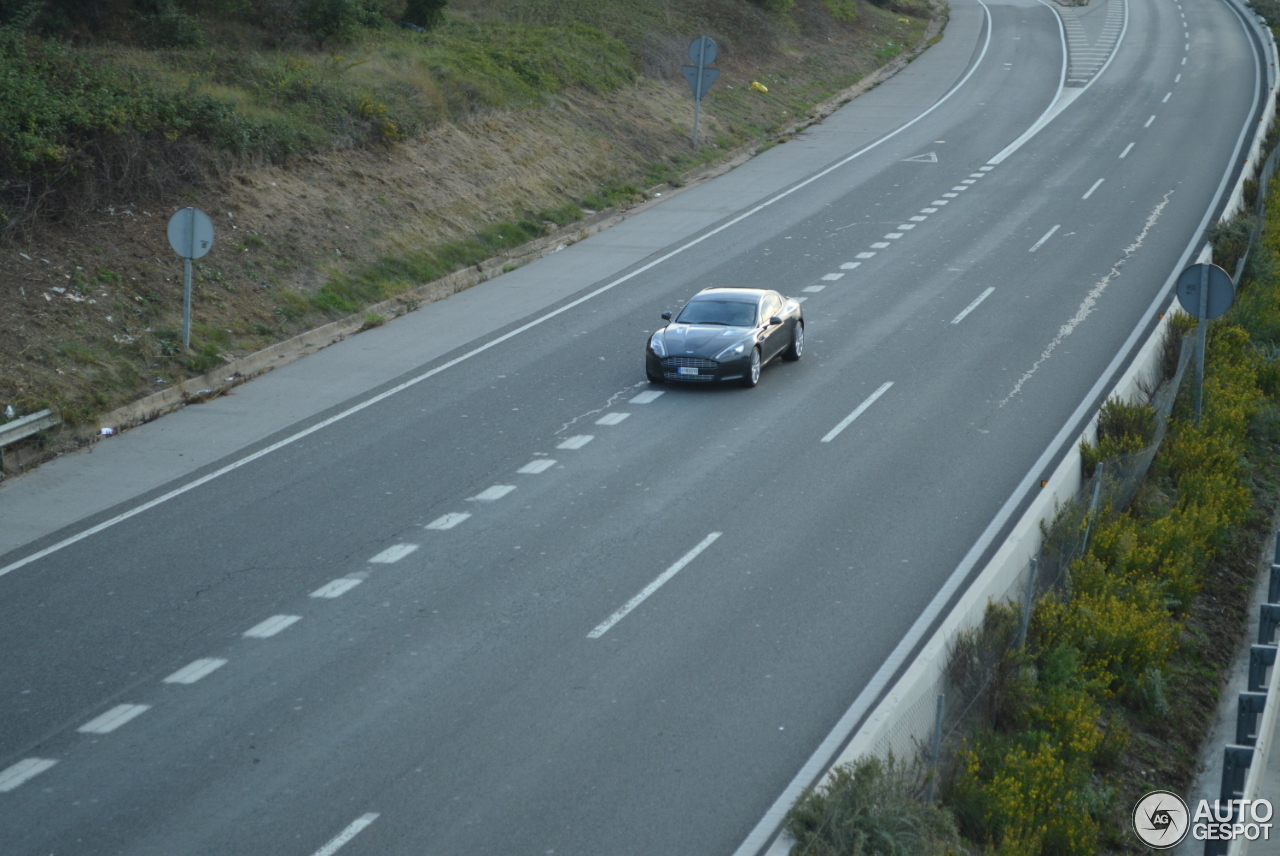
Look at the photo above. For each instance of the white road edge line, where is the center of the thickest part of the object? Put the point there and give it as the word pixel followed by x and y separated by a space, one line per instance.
pixel 195 670
pixel 510 334
pixel 353 829
pixel 974 305
pixel 670 572
pixel 1096 185
pixel 27 768
pixel 845 422
pixel 1047 236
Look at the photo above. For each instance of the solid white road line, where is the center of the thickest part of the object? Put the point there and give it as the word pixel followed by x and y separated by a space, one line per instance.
pixel 447 521
pixel 813 288
pixel 27 768
pixel 498 491
pixel 647 396
pixel 1092 189
pixel 347 834
pixel 541 465
pixel 1047 236
pixel 194 671
pixel 849 265
pixel 1126 150
pixel 579 441
pixel 271 626
pixel 844 423
pixel 972 306
pixel 337 588
pixel 670 572
pixel 832 277
pixel 511 334
pixel 612 418
pixel 394 553
pixel 113 719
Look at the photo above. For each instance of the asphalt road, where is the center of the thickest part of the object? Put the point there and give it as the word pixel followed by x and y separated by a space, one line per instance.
pixel 418 628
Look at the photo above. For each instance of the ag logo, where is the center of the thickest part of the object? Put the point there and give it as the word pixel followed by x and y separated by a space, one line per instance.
pixel 1160 820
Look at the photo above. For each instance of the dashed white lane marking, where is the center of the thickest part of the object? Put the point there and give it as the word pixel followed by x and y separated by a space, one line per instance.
pixel 849 265
pixel 1166 97
pixel 947 196
pixel 800 299
pixel 196 670
pixel 864 255
pixel 1126 151
pixel 1047 236
pixel 880 245
pixel 337 588
pixel 113 719
pixel 985 168
pixel 352 830
pixel 1149 121
pixel 919 218
pixel 603 627
pixel 1092 189
pixel 541 465
pixel 394 553
pixel 845 422
pixel 1184 61
pixel 1178 79
pixel 271 626
pixel 972 306
pixel 977 175
pixel 893 236
pixel 813 289
pixel 27 768
pixel 448 521
pixel 647 396
pixel 959 188
pixel 577 442
pixel 927 211
pixel 938 202
pixel 612 418
pixel 969 181
pixel 832 277
pixel 498 491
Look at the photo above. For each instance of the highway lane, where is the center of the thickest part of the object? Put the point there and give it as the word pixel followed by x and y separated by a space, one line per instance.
pixel 455 692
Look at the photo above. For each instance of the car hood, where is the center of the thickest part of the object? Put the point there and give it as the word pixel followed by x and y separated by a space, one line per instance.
pixel 701 340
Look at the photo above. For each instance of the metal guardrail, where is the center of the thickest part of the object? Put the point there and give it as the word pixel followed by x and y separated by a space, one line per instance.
pixel 20 429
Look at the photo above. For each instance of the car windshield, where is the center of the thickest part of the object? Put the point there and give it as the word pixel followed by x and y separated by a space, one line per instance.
pixel 728 313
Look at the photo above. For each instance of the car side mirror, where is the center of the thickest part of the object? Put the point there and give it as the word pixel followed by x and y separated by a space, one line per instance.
pixel 666 316
pixel 775 321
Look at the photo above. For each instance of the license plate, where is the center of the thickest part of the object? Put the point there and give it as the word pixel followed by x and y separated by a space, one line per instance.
pixel 686 370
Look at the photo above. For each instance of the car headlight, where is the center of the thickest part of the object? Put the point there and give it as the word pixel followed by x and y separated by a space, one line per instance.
pixel 657 345
pixel 733 351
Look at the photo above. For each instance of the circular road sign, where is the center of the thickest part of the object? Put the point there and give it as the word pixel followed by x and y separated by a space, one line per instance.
pixel 190 233
pixel 702 51
pixel 1221 291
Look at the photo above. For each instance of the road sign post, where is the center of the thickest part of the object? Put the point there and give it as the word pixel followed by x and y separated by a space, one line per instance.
pixel 1205 292
pixel 191 236
pixel 702 52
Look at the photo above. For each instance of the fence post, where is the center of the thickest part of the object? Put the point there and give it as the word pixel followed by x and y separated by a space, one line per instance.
pixel 1026 604
pixel 937 747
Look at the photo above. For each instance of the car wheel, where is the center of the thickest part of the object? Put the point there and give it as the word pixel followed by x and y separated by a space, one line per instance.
pixel 796 350
pixel 752 377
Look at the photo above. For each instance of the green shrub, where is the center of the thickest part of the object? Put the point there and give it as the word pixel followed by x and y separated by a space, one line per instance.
pixel 870 807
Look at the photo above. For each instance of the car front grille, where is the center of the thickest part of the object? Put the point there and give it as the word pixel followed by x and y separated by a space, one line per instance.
pixel 694 378
pixel 689 362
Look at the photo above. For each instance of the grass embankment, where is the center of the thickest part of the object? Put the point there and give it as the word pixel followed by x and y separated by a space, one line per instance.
pixel 340 171
pixel 1119 678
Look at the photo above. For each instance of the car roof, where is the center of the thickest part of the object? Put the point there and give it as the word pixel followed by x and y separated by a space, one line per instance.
pixel 738 295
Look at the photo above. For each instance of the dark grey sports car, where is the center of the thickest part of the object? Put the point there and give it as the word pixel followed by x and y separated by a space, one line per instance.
pixel 725 334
